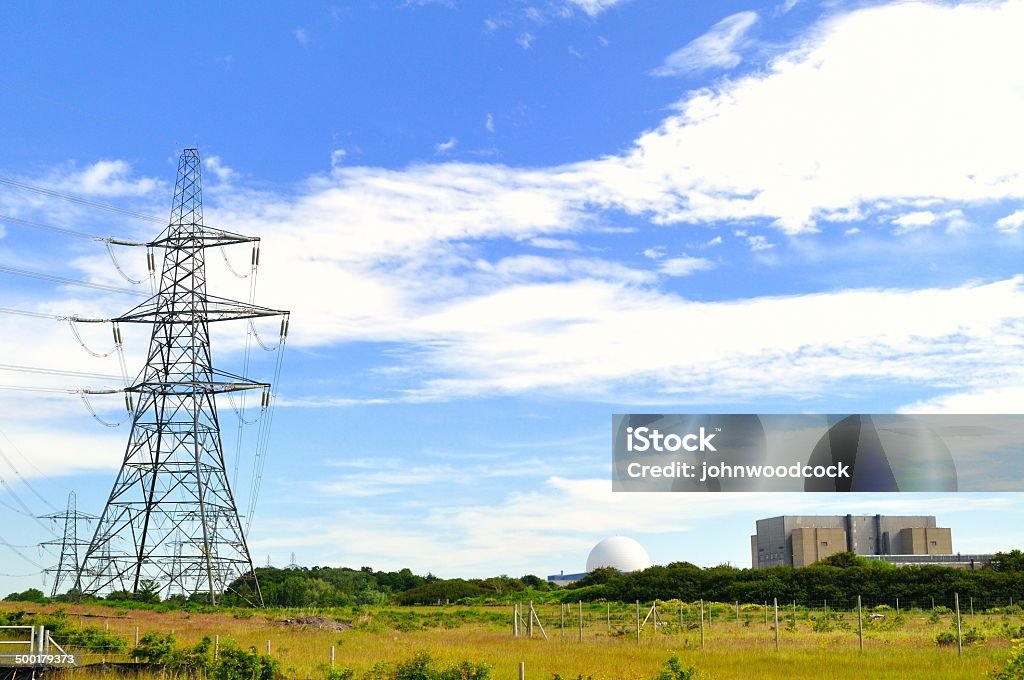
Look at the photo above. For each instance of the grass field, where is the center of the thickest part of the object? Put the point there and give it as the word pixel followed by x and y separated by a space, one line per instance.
pixel 810 647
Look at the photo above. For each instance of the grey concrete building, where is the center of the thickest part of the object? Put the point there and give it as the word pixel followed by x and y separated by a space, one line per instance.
pixel 799 540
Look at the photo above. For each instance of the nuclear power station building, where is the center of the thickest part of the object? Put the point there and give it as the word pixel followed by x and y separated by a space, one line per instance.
pixel 800 540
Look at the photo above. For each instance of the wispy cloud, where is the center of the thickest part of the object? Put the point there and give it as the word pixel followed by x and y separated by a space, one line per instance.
pixel 301 36
pixel 595 7
pixel 684 265
pixel 718 48
pixel 1012 223
pixel 446 146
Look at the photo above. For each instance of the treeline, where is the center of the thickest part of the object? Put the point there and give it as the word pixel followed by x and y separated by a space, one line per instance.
pixel 839 579
pixel 340 586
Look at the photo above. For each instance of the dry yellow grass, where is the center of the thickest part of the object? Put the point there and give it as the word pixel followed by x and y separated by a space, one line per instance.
pixel 733 650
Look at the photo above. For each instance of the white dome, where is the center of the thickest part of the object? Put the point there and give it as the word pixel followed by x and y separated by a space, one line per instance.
pixel 620 552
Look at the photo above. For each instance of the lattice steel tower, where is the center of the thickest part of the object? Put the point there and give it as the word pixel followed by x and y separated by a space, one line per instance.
pixel 171 524
pixel 67 568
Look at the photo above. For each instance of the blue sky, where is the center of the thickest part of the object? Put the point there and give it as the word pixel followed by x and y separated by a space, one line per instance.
pixel 498 223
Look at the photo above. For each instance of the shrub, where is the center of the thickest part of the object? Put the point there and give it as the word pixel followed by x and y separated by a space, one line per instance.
pixel 674 670
pixel 1014 667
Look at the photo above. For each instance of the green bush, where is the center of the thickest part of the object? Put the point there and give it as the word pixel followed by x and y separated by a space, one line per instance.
pixel 674 670
pixel 1014 668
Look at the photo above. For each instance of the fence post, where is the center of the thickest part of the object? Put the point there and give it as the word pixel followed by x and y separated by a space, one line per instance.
pixel 531 619
pixel 608 615
pixel 897 605
pixel 826 611
pixel 766 613
pixel 638 623
pixel 332 656
pixel 268 647
pixel 561 620
pixel 522 670
pixel 860 624
pixel 737 612
pixel 972 606
pixel 702 624
pixel 581 620
pixel 775 600
pixel 216 647
pixel 136 636
pixel 959 636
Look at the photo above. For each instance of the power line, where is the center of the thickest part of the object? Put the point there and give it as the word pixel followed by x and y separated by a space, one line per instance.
pixel 49 227
pixel 79 200
pixel 69 282
pixel 55 371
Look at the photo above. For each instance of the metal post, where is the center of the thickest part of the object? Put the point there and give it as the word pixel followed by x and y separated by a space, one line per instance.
pixel 581 620
pixel 959 632
pixel 32 640
pixel 522 670
pixel 860 624
pixel 972 606
pixel 775 601
pixel 702 624
pixel 897 605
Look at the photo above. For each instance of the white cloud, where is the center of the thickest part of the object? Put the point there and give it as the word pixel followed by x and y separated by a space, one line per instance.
pixel 445 147
pixel 338 157
pixel 553 243
pixel 684 266
pixel 222 172
pixel 1012 223
pixel 655 253
pixel 595 7
pixel 758 243
pixel 489 123
pixel 301 36
pixel 525 40
pixel 716 241
pixel 107 178
pixel 852 231
pixel 718 48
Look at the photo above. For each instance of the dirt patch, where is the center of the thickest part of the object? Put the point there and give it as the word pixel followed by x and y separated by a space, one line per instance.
pixel 316 623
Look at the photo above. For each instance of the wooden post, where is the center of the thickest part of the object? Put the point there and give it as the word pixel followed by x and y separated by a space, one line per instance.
pixel 860 624
pixel 959 632
pixel 775 600
pixel 794 613
pixel 216 647
pixel 638 623
pixel 561 621
pixel 608 614
pixel 332 656
pixel 531 619
pixel 972 606
pixel 766 613
pixel 515 620
pixel 136 636
pixel 737 612
pixel 702 624
pixel 826 610
pixel 268 647
pixel 522 670
pixel 581 620
pixel 897 605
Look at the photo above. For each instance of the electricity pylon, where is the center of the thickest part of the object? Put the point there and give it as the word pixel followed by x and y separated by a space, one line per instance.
pixel 67 568
pixel 171 524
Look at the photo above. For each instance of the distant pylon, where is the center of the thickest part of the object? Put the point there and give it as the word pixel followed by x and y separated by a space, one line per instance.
pixel 67 567
pixel 171 523
pixel 293 564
